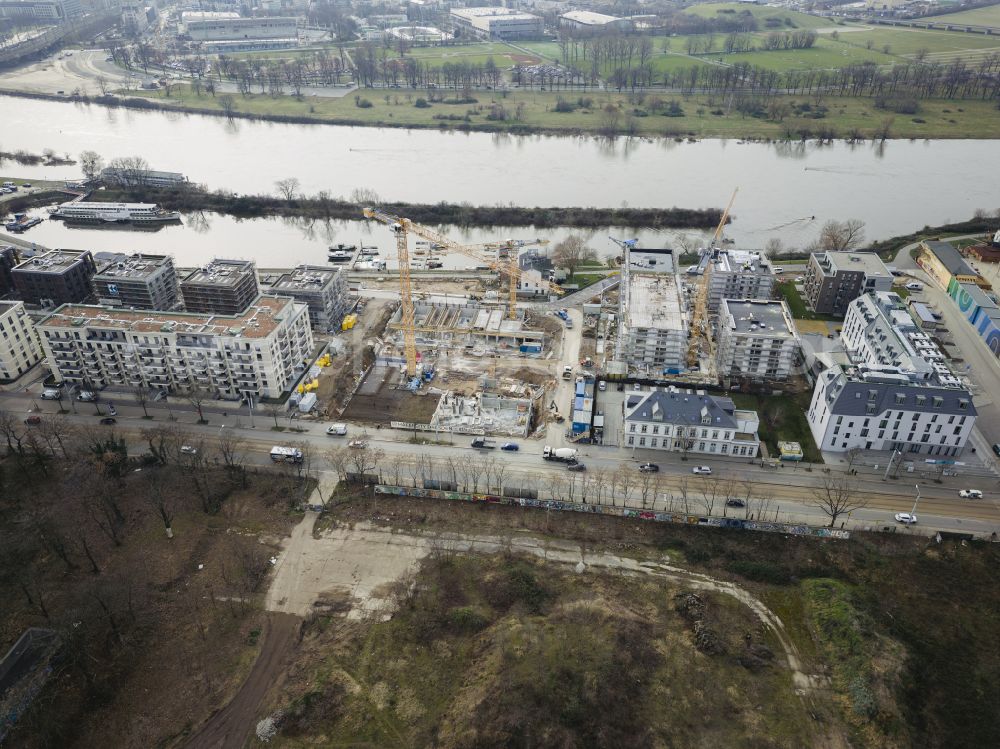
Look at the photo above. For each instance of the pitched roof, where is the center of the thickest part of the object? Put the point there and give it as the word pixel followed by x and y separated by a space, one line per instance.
pixel 950 258
pixel 682 408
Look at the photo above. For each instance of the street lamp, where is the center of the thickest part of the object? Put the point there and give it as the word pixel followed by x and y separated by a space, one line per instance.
pixel 889 467
pixel 915 501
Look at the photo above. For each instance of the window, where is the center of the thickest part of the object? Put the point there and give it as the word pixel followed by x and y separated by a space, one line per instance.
pixel 631 440
pixel 900 398
pixel 643 428
pixel 963 405
pixel 631 427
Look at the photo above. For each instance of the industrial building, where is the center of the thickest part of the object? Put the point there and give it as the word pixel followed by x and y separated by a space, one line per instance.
pixel 835 279
pixel 586 20
pixel 226 26
pixel 469 326
pixel 498 23
pixel 55 277
pixel 757 340
pixel 322 289
pixel 142 178
pixel 223 287
pixel 19 349
pixel 734 274
pixel 52 11
pixel 943 263
pixel 690 422
pixel 137 281
pixel 898 392
pixel 652 323
pixel 258 353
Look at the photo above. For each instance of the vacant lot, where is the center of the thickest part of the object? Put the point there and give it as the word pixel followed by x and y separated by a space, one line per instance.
pixel 380 401
pixel 782 419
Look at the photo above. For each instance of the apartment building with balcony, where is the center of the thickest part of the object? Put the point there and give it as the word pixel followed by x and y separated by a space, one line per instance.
pixel 19 348
pixel 322 289
pixel 259 353
pixel 835 279
pixel 757 340
pixel 223 287
pixel 138 281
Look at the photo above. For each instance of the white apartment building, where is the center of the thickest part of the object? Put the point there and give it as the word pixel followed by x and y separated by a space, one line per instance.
pixel 19 349
pixel 692 422
pixel 897 394
pixel 653 335
pixel 258 353
pixel 757 340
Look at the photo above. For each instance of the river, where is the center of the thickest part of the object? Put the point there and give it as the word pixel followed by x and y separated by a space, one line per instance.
pixel 786 190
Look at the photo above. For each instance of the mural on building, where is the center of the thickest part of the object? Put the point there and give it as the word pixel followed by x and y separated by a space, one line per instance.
pixel 982 314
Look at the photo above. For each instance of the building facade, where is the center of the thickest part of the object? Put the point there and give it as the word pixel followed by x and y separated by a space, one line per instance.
pixel 980 310
pixel 55 277
pixel 652 328
pixel 138 281
pixel 322 289
pixel 54 11
pixel 19 348
pixel 835 279
pixel 259 353
pixel 896 394
pixel 224 287
pixel 8 259
pixel 738 275
pixel 202 29
pixel 141 177
pixel 585 20
pixel 498 23
pixel 943 263
pixel 757 340
pixel 689 422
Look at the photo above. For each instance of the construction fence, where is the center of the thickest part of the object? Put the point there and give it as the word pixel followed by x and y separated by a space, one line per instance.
pixel 624 512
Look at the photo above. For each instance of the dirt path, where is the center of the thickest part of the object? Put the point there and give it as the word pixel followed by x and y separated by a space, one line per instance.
pixel 230 727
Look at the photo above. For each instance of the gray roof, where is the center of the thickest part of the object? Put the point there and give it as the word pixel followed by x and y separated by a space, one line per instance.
pixel 852 400
pixel 651 261
pixel 682 408
pixel 980 297
pixel 765 317
pixel 951 258
pixel 848 260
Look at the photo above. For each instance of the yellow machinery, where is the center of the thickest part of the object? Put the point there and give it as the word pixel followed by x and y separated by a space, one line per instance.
pixel 401 227
pixel 349 322
pixel 701 326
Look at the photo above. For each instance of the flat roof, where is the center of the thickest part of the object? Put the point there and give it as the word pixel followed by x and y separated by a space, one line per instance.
pixel 589 17
pixel 208 15
pixel 651 261
pixel 867 262
pixel 654 302
pixel 763 316
pixel 133 266
pixel 305 277
pixel 53 261
pixel 740 260
pixel 257 321
pixel 221 272
pixel 491 12
pixel 6 307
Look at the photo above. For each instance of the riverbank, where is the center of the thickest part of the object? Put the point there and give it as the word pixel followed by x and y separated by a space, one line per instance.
pixel 455 214
pixel 592 113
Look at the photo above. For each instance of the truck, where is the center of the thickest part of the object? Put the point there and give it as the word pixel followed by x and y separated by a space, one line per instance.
pixel 281 454
pixel 559 454
pixel 483 443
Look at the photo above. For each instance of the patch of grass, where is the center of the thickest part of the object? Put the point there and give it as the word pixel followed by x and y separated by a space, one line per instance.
pixel 797 305
pixel 782 420
pixel 790 19
pixel 988 16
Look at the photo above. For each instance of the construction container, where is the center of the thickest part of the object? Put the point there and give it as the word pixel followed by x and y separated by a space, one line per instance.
pixel 307 403
pixel 531 348
pixel 349 321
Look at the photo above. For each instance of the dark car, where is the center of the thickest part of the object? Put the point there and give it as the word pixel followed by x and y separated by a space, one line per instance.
pixel 649 468
pixel 576 467
pixel 33 420
pixel 510 447
pixel 996 448
pixel 733 502
pixel 109 421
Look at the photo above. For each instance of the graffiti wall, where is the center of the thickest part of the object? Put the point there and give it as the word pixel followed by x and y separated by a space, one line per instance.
pixel 622 512
pixel 981 312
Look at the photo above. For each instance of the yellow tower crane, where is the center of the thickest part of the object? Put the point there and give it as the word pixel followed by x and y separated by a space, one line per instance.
pixel 701 326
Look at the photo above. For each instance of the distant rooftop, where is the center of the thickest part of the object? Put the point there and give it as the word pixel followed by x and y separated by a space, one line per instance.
pixel 132 266
pixel 766 317
pixel 53 261
pixel 867 262
pixel 490 13
pixel 257 321
pixel 589 18
pixel 304 277
pixel 651 261
pixel 740 260
pixel 221 272
pixel 950 258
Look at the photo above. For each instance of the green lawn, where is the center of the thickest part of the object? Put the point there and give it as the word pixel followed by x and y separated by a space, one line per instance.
pixel 761 13
pixel 989 16
pixel 827 53
pixel 939 44
pixel 782 420
pixel 797 304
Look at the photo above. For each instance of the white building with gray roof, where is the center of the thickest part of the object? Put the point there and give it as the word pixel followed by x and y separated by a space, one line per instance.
pixel 898 393
pixel 757 340
pixel 691 422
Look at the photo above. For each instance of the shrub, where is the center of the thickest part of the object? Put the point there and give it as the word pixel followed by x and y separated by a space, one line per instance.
pixel 564 106
pixel 362 103
pixel 421 103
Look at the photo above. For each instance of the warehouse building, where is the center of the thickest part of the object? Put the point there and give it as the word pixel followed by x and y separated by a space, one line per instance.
pixel 757 340
pixel 223 287
pixel 258 353
pixel 226 26
pixel 979 309
pixel 943 263
pixel 835 279
pixel 55 277
pixel 585 20
pixel 498 23
pixel 322 289
pixel 19 348
pixel 137 281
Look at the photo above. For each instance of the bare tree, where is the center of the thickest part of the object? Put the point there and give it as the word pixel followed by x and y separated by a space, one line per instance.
pixel 197 396
pixel 160 494
pixel 853 456
pixel 288 187
pixel 227 103
pixel 838 496
pixel 571 253
pixel 711 489
pixel 363 461
pixel 232 450
pixel 837 236
pixel 684 487
pixel 91 164
pixel 141 394
pixel 164 443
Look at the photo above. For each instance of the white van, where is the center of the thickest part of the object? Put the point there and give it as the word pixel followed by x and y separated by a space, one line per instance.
pixel 337 430
pixel 914 286
pixel 777 269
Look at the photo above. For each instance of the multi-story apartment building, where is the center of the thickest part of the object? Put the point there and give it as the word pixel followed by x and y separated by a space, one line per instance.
pixel 653 326
pixel 19 349
pixel 323 289
pixel 258 353
pixel 138 281
pixel 757 340
pixel 686 421
pixel 224 287
pixel 498 23
pixel 55 277
pixel 898 392
pixel 735 274
pixel 835 279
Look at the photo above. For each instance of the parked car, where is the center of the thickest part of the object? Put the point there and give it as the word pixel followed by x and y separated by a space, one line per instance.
pixel 734 502
pixel 357 444
pixel 189 450
pixel 602 386
pixel 970 494
pixel 109 421
pixel 86 396
pixel 576 467
pixel 33 420
pixel 996 448
pixel 649 468
pixel 511 447
pixel 51 394
pixel 112 410
pixel 703 470
pixel 906 518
